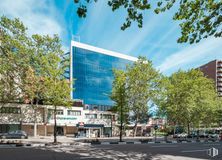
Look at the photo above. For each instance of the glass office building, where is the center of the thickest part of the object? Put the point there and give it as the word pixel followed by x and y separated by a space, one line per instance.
pixel 91 72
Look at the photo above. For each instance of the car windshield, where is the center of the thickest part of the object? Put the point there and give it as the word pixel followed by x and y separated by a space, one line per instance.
pixel 19 132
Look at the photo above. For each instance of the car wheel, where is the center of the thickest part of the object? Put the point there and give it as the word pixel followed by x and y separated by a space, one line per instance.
pixel 3 137
pixel 22 137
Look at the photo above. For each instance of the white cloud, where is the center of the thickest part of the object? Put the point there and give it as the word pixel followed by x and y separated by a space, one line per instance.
pixel 193 53
pixel 38 16
pixel 163 39
pixel 143 33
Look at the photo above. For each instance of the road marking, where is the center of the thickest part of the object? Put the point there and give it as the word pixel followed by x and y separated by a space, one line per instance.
pixel 194 151
pixel 165 146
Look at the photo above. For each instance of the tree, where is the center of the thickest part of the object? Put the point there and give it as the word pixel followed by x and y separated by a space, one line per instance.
pixel 141 85
pixel 218 112
pixel 32 68
pixel 119 96
pixel 191 99
pixel 53 65
pixel 199 19
pixel 33 89
pixel 14 58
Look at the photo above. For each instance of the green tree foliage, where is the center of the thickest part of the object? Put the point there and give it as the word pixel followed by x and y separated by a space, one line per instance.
pixel 53 66
pixel 199 18
pixel 134 88
pixel 218 112
pixel 14 57
pixel 120 98
pixel 32 90
pixel 142 86
pixel 191 99
pixel 32 68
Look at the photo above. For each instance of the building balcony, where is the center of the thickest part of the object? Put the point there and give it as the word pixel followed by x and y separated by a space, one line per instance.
pixel 219 63
pixel 219 84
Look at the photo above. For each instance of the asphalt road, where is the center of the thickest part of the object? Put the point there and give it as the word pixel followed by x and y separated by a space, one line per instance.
pixel 189 151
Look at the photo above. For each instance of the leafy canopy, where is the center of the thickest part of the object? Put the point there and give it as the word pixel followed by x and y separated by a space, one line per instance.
pixel 32 67
pixel 199 18
pixel 190 99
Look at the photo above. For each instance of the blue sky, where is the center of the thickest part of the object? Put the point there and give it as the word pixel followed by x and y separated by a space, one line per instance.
pixel 101 28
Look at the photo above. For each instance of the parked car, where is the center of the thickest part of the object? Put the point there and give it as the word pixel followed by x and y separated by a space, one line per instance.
pixel 214 136
pixel 18 134
pixel 180 135
pixel 203 135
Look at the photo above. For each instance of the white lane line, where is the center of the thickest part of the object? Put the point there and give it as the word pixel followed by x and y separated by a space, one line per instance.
pixel 194 151
pixel 165 146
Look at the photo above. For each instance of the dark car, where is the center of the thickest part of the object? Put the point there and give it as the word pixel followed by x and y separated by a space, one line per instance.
pixel 192 135
pixel 14 135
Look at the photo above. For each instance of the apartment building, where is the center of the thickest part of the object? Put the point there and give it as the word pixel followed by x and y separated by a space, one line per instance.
pixel 213 70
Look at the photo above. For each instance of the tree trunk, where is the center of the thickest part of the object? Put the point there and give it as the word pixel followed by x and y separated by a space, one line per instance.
pixel 188 128
pixel 55 125
pixel 135 128
pixel 35 129
pixel 135 131
pixel 121 124
pixel 35 118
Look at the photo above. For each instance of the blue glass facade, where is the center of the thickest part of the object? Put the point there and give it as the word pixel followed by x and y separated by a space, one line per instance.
pixel 93 75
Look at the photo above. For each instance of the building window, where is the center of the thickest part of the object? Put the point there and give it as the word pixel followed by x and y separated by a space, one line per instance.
pixel 74 113
pixel 105 116
pixel 10 110
pixel 91 116
pixel 58 112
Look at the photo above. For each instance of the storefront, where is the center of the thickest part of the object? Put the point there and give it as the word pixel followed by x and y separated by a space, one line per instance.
pixel 90 130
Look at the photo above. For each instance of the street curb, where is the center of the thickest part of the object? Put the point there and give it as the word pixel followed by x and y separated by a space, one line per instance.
pixel 19 144
pixel 44 144
pixel 104 143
